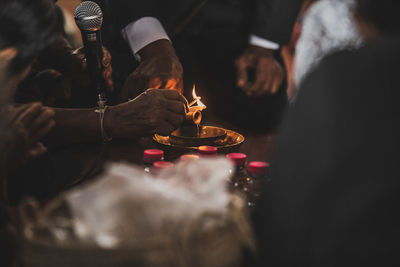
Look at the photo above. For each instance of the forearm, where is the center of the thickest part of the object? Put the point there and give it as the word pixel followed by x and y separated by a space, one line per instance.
pixel 75 126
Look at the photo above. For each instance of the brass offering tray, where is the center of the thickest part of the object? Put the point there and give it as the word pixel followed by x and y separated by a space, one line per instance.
pixel 181 142
pixel 198 136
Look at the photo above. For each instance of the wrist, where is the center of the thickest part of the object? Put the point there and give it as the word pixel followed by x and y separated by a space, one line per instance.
pixel 109 121
pixel 261 51
pixel 159 47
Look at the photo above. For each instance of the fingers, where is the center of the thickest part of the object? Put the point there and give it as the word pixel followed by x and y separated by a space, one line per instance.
pixel 171 84
pixel 263 81
pixel 179 86
pixel 80 56
pixel 165 128
pixel 28 115
pixel 106 58
pixel 174 95
pixel 43 119
pixel 161 71
pixel 277 82
pixel 18 110
pixel 133 87
pixel 107 77
pixel 260 87
pixel 37 121
pixel 155 83
pixel 161 82
pixel 43 131
pixel 241 69
pixel 269 77
pixel 274 80
pixel 106 65
pixel 36 151
pixel 107 70
pixel 176 107
pixel 175 119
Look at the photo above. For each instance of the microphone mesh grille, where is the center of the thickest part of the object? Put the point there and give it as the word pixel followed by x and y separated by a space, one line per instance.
pixel 88 16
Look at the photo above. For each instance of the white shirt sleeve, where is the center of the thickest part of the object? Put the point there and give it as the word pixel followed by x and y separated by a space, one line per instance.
pixel 261 42
pixel 142 32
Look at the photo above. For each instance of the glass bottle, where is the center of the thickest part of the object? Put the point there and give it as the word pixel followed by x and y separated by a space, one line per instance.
pixel 189 157
pixel 150 156
pixel 207 151
pixel 161 165
pixel 238 173
pixel 258 176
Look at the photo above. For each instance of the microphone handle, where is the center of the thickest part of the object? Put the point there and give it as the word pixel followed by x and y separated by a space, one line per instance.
pixel 94 56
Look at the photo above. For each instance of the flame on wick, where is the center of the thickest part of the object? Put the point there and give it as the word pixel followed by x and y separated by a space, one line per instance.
pixel 197 99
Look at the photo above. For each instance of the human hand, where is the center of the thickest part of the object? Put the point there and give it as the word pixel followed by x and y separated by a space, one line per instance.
pixel 25 126
pixel 82 75
pixel 154 111
pixel 50 87
pixel 71 63
pixel 268 72
pixel 159 68
pixel 34 122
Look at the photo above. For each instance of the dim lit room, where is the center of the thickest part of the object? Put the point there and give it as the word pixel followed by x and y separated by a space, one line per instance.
pixel 199 133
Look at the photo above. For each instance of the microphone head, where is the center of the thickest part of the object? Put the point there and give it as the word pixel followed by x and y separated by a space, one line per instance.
pixel 88 16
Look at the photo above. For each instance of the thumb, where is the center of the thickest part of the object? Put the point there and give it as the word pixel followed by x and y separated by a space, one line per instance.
pixel 36 150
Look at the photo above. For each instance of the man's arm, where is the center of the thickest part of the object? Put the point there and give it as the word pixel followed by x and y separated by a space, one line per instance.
pixel 275 19
pixel 139 24
pixel 138 21
pixel 273 24
pixel 155 111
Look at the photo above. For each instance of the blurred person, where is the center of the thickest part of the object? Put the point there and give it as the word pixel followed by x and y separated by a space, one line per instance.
pixel 24 125
pixel 288 51
pixel 321 29
pixel 27 28
pixel 328 27
pixel 207 38
pixel 334 196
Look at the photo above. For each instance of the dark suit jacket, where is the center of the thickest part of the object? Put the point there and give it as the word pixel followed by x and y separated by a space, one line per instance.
pixel 276 19
pixel 220 23
pixel 270 19
pixel 335 195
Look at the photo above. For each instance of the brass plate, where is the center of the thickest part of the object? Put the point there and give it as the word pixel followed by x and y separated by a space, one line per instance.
pixel 231 143
pixel 208 136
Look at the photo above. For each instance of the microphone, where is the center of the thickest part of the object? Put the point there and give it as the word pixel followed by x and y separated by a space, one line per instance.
pixel 89 18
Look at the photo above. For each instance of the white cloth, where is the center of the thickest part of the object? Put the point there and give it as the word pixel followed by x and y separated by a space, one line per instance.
pixel 147 30
pixel 328 27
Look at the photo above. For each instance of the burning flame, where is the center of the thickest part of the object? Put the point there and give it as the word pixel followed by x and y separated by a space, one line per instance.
pixel 197 99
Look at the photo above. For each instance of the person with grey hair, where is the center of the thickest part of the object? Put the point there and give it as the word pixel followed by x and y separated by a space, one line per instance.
pixel 327 27
pixel 334 198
